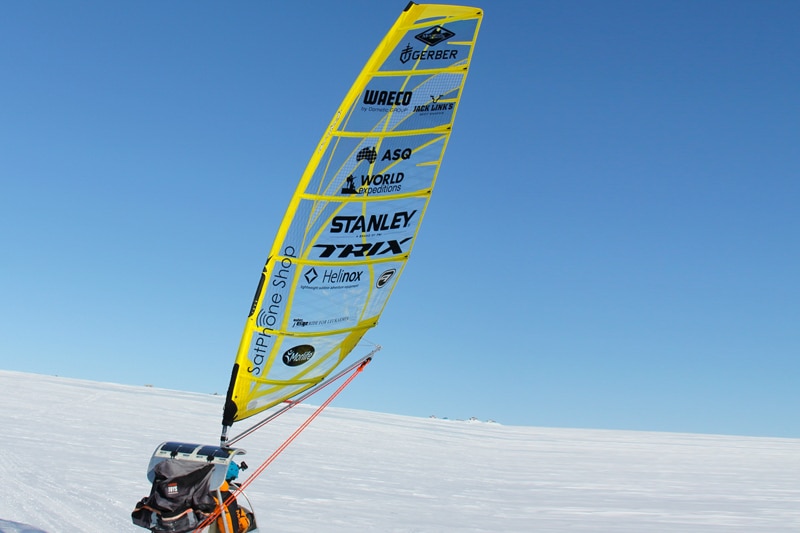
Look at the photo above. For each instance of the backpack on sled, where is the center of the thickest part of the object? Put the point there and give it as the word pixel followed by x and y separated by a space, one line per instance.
pixel 188 484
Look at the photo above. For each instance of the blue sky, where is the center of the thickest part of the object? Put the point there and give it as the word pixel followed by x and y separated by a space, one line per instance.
pixel 613 241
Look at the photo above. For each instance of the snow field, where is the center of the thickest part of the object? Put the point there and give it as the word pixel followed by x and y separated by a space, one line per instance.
pixel 80 451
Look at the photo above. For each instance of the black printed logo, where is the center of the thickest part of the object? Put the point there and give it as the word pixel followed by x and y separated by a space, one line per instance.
pixel 384 278
pixel 434 36
pixel 298 355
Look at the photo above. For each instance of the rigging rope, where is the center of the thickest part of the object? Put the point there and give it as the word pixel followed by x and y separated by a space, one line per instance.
pixel 213 516
pixel 292 403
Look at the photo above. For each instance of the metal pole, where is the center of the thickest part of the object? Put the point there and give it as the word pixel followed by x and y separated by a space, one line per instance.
pixel 299 399
pixel 223 512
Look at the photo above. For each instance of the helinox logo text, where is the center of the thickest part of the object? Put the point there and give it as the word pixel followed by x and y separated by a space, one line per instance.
pixel 331 277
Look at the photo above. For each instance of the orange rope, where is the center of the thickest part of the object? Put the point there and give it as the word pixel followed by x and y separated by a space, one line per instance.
pixel 210 518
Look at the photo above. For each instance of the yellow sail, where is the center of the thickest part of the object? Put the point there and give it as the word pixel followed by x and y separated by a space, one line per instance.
pixel 352 222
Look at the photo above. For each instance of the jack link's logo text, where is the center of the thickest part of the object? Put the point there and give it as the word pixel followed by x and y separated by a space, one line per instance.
pixel 434 105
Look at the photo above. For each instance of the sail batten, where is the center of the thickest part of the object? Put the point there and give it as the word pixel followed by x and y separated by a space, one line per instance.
pixel 353 220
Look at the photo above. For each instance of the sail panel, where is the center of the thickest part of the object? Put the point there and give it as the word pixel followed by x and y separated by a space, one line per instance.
pixel 352 222
pixel 432 45
pixel 331 297
pixel 406 103
pixel 373 165
pixel 351 231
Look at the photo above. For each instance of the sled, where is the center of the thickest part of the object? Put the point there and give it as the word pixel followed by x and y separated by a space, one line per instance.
pixel 209 465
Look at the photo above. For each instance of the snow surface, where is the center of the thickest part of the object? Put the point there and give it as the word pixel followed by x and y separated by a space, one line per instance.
pixel 80 450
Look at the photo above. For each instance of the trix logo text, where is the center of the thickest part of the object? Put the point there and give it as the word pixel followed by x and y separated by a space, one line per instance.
pixel 363 249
